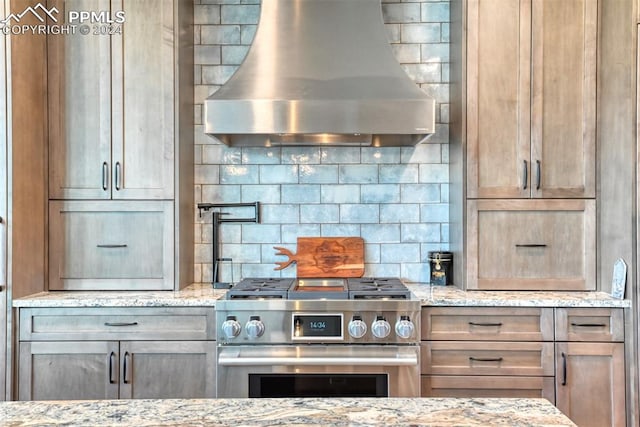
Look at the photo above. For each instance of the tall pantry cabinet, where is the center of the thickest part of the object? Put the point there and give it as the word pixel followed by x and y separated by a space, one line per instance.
pixel 528 111
pixel 542 165
pixel 121 149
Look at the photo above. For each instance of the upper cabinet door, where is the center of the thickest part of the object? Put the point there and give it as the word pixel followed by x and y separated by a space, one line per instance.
pixel 531 98
pixel 498 107
pixel 143 101
pixel 79 110
pixel 563 124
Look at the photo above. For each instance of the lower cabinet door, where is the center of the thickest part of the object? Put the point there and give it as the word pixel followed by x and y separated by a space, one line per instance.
pixel 590 383
pixel 68 370
pixel 167 369
pixel 487 386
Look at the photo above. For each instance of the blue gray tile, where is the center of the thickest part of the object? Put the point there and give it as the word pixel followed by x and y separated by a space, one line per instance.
pixel 319 213
pixel 358 174
pixel 380 193
pixel 318 174
pixel 434 212
pixel 420 233
pixel 261 193
pixel 260 233
pixel 302 193
pixel 290 233
pixel 301 155
pixel 399 252
pixel 340 193
pixel 380 233
pixel 278 174
pixel 239 174
pixel 340 155
pixel 338 230
pixel 280 214
pixel 260 155
pixel 399 213
pixel 419 193
pixel 359 213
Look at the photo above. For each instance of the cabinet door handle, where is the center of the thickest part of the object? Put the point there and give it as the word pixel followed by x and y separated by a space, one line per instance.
pixel 538 174
pixel 118 176
pixel 105 176
pixel 125 377
pixel 588 325
pixel 531 245
pixel 120 323
pixel 484 324
pixel 111 246
pixel 112 357
pixel 485 359
pixel 564 369
pixel 525 175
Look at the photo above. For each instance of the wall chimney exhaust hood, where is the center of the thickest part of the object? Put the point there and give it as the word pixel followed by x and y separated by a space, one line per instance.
pixel 320 72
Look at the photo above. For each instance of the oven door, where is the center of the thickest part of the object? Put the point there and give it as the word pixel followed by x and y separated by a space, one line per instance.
pixel 318 371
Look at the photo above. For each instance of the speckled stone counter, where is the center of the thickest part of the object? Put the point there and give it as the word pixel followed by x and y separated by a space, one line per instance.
pixel 202 294
pixel 195 295
pixel 452 296
pixel 290 412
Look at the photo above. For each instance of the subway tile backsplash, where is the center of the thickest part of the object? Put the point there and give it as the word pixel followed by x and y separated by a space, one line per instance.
pixel 395 198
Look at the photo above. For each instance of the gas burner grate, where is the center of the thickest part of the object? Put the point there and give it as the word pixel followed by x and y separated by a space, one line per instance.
pixel 378 288
pixel 260 288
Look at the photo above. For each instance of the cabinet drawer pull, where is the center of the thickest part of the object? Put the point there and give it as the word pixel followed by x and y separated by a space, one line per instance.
pixel 125 378
pixel 485 359
pixel 111 360
pixel 484 324
pixel 589 325
pixel 105 176
pixel 538 174
pixel 111 246
pixel 120 323
pixel 530 245
pixel 525 175
pixel 564 369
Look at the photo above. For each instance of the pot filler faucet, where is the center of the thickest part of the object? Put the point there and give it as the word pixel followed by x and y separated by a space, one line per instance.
pixel 218 217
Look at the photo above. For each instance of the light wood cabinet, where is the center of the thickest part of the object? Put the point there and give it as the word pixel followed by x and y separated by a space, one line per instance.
pixel 120 110
pixel 89 353
pixel 111 106
pixel 590 367
pixel 487 352
pixel 574 357
pixel 531 98
pixel 73 370
pixel 531 244
pixel 103 245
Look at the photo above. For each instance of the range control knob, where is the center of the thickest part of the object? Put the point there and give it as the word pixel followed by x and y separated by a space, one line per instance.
pixel 231 328
pixel 404 327
pixel 380 327
pixel 254 327
pixel 357 328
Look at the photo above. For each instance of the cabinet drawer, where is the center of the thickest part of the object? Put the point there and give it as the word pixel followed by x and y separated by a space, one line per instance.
pixel 589 324
pixel 487 358
pixel 531 245
pixel 140 323
pixel 111 245
pixel 487 324
pixel 471 386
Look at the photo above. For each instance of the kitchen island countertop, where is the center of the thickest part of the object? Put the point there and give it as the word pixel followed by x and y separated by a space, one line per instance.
pixel 290 412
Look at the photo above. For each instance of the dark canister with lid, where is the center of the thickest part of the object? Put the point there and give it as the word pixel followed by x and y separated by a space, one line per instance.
pixel 441 264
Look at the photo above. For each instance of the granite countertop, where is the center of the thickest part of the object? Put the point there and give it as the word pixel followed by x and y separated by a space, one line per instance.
pixel 203 294
pixel 452 296
pixel 289 412
pixel 195 295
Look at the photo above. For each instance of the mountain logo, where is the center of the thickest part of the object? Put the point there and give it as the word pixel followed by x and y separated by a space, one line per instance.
pixel 39 11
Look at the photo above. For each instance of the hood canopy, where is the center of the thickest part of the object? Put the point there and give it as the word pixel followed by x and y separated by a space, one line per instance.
pixel 320 72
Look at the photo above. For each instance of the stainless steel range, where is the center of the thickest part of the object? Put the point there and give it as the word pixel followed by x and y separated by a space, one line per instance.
pixel 318 338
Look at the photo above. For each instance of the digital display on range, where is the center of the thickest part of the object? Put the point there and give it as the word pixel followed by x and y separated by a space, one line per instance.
pixel 316 326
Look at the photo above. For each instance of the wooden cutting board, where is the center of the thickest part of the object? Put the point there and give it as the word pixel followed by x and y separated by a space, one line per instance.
pixel 326 257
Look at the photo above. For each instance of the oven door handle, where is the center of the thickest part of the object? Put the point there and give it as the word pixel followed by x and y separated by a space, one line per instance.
pixel 235 360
